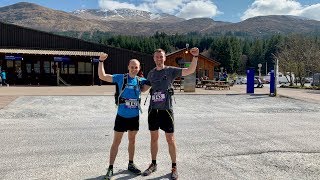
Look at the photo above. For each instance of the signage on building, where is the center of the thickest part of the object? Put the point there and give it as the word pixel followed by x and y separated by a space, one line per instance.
pixel 95 60
pixel 13 58
pixel 61 59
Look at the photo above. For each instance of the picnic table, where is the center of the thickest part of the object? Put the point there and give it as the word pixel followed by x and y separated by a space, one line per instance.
pixel 212 84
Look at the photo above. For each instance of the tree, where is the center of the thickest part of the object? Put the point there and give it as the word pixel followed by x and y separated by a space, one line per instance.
pixel 299 55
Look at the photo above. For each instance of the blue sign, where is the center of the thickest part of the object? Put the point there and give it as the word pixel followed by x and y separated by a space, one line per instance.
pixel 95 60
pixel 13 58
pixel 61 59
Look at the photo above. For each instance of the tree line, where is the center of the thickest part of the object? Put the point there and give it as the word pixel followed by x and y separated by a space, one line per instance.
pixel 298 54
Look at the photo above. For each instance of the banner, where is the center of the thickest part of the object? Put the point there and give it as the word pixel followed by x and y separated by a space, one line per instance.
pixel 13 58
pixel 95 60
pixel 61 59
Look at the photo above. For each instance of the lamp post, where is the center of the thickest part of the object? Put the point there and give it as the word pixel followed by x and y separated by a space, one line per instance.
pixel 259 65
pixel 266 68
pixel 92 63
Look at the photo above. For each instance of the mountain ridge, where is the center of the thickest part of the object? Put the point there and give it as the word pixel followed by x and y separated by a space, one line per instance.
pixel 136 22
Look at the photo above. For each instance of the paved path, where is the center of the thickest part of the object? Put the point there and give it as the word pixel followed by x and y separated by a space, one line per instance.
pixel 15 91
pixel 5 100
pixel 301 94
pixel 66 133
pixel 238 137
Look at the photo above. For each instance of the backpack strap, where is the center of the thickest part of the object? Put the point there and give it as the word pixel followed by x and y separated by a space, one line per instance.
pixel 139 84
pixel 124 84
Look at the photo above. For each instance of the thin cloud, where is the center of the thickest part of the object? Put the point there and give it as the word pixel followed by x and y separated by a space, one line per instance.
pixel 182 8
pixel 281 7
pixel 112 5
pixel 163 6
pixel 312 12
pixel 197 9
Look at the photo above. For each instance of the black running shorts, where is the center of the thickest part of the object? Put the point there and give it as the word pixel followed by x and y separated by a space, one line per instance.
pixel 162 119
pixel 126 124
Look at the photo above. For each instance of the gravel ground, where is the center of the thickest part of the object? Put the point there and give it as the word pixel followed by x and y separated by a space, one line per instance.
pixel 218 137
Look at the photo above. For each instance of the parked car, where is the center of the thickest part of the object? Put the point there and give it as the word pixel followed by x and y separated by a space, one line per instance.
pixel 281 78
pixel 241 80
pixel 266 79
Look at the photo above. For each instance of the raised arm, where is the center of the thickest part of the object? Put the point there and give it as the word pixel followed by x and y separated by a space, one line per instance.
pixel 191 69
pixel 102 75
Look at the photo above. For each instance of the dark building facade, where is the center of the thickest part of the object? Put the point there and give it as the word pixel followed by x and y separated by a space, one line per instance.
pixel 30 57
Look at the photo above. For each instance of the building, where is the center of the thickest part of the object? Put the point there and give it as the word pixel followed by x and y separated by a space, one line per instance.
pixel 182 58
pixel 31 56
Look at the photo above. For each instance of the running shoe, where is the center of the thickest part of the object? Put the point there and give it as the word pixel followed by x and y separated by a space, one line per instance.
pixel 174 173
pixel 109 174
pixel 133 168
pixel 152 168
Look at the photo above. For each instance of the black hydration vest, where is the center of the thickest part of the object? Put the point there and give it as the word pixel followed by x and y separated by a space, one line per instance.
pixel 117 96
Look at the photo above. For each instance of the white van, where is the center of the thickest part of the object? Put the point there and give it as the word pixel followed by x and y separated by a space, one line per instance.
pixel 282 79
pixel 241 80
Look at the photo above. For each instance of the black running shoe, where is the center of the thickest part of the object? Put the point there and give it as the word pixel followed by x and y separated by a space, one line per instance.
pixel 132 167
pixel 174 173
pixel 152 168
pixel 109 174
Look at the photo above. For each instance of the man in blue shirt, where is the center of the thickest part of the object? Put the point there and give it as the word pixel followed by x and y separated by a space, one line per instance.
pixel 4 78
pixel 127 118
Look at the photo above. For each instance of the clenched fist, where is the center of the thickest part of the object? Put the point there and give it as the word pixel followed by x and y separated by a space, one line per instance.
pixel 103 57
pixel 194 51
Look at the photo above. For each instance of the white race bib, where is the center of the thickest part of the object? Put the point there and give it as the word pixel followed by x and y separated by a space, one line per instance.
pixel 131 103
pixel 158 97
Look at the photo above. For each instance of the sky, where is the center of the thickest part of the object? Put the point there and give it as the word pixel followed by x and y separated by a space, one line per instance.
pixel 218 10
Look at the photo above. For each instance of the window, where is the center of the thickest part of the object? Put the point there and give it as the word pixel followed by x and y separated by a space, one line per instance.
pixel 46 67
pixel 54 67
pixel 64 68
pixel 84 68
pixel 72 69
pixel 18 65
pixel 206 72
pixel 28 67
pixel 9 64
pixel 37 67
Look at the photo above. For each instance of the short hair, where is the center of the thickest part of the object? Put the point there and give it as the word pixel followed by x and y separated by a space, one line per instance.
pixel 159 51
pixel 134 60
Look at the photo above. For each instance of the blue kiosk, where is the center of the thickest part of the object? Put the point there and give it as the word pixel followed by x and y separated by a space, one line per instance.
pixel 250 80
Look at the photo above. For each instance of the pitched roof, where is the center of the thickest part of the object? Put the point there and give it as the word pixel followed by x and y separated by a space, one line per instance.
pixel 202 56
pixel 50 52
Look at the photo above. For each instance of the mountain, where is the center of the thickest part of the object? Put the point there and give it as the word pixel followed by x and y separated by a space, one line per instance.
pixel 137 22
pixel 41 18
pixel 126 15
pixel 272 24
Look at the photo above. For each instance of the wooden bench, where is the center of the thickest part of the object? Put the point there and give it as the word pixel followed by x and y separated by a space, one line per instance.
pixel 210 86
pixel 217 86
pixel 224 86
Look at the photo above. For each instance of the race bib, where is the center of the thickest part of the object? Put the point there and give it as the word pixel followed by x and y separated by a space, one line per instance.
pixel 158 97
pixel 131 103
